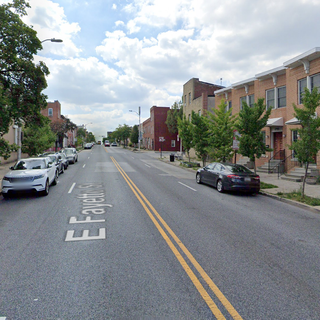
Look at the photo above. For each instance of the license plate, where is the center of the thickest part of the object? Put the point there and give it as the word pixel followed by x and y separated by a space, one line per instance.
pixel 247 179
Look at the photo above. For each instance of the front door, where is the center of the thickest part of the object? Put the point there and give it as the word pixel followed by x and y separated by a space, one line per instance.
pixel 277 145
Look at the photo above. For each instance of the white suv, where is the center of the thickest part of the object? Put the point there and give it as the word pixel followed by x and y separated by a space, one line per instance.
pixel 30 175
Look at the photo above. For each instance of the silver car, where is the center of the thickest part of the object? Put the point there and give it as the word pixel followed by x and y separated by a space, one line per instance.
pixel 30 175
pixel 71 154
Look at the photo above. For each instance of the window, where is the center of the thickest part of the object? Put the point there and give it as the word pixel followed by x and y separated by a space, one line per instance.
pixel 270 98
pixel 242 99
pixel 282 97
pixel 263 136
pixel 228 106
pixel 301 85
pixel 173 143
pixel 189 117
pixel 315 82
pixel 50 112
pixel 199 113
pixel 185 100
pixel 251 100
pixel 189 97
pixel 294 139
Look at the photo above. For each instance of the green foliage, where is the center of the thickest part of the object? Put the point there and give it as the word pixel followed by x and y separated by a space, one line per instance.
pixel 173 115
pixel 134 137
pixel 221 128
pixel 250 123
pixel 21 81
pixel 37 138
pixel 185 129
pixel 90 137
pixel 308 144
pixel 122 133
pixel 201 135
pixel 81 133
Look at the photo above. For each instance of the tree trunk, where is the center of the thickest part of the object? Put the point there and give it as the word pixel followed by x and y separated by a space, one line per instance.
pixel 304 179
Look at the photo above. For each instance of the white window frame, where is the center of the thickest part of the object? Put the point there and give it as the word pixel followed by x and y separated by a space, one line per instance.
pixel 50 112
pixel 278 97
pixel 301 87
pixel 173 143
pixel 270 100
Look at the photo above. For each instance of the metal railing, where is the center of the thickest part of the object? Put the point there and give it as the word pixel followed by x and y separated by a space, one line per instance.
pixel 280 155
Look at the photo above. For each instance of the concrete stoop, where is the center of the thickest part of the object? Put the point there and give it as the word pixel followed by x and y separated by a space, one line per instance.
pixel 298 173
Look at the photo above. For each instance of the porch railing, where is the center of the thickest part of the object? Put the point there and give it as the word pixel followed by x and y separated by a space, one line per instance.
pixel 280 155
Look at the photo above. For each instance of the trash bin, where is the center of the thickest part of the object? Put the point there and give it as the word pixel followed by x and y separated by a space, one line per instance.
pixel 171 157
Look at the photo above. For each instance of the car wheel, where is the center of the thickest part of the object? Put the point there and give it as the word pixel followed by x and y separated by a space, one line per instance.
pixel 198 178
pixel 46 190
pixel 55 180
pixel 76 159
pixel 220 186
pixel 5 195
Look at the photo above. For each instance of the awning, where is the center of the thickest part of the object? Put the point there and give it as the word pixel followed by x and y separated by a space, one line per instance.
pixel 275 122
pixel 293 121
pixel 296 121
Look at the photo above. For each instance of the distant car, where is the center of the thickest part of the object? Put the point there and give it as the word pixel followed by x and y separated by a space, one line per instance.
pixel 88 145
pixel 63 159
pixel 71 154
pixel 57 162
pixel 229 176
pixel 30 175
pixel 107 143
pixel 114 144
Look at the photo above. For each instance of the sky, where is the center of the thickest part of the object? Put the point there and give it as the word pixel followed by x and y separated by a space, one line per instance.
pixel 117 55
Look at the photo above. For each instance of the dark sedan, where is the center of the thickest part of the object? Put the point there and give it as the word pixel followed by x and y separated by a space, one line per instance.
pixel 229 176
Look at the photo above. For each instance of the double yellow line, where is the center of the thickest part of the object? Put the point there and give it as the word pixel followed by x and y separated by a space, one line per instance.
pixel 147 207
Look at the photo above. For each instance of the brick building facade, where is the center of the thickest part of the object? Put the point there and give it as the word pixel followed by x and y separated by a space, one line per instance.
pixel 155 128
pixel 281 87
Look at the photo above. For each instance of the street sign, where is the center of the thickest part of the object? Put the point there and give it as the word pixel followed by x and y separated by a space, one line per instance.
pixel 161 139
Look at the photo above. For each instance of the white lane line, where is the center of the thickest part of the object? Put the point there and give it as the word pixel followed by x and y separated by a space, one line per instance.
pixel 3 318
pixel 83 165
pixel 70 190
pixel 147 165
pixel 187 186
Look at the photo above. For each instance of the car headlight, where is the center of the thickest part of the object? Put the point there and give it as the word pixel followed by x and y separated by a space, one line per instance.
pixel 6 178
pixel 39 177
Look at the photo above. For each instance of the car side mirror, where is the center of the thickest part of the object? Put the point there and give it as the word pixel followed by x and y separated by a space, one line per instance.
pixel 11 168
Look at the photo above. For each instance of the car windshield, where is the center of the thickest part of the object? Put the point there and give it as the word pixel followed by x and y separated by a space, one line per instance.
pixel 30 164
pixel 68 151
pixel 238 169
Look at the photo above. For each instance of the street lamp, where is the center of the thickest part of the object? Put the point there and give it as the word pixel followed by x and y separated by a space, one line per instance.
pixel 52 40
pixel 139 114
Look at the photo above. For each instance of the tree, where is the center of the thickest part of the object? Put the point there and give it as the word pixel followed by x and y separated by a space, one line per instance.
pixel 185 129
pixel 200 135
pixel 173 115
pixel 91 137
pixel 60 128
pixel 134 137
pixel 308 144
pixel 21 81
pixel 123 133
pixel 249 125
pixel 36 139
pixel 221 126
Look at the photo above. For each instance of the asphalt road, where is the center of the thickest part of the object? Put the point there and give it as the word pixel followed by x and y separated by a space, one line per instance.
pixel 125 236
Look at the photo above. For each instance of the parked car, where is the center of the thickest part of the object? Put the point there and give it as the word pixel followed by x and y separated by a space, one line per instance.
pixel 71 154
pixel 114 144
pixel 63 159
pixel 30 175
pixel 57 162
pixel 88 145
pixel 107 143
pixel 228 176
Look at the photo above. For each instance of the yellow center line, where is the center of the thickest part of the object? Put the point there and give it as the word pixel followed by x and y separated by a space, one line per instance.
pixel 143 200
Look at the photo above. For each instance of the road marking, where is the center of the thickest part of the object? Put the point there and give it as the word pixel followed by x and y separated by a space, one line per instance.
pixel 87 220
pixel 187 186
pixel 73 185
pixel 213 307
pixel 85 235
pixel 147 165
pixel 83 165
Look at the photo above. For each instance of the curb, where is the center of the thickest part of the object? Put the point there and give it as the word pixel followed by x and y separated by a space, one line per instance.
pixel 292 202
